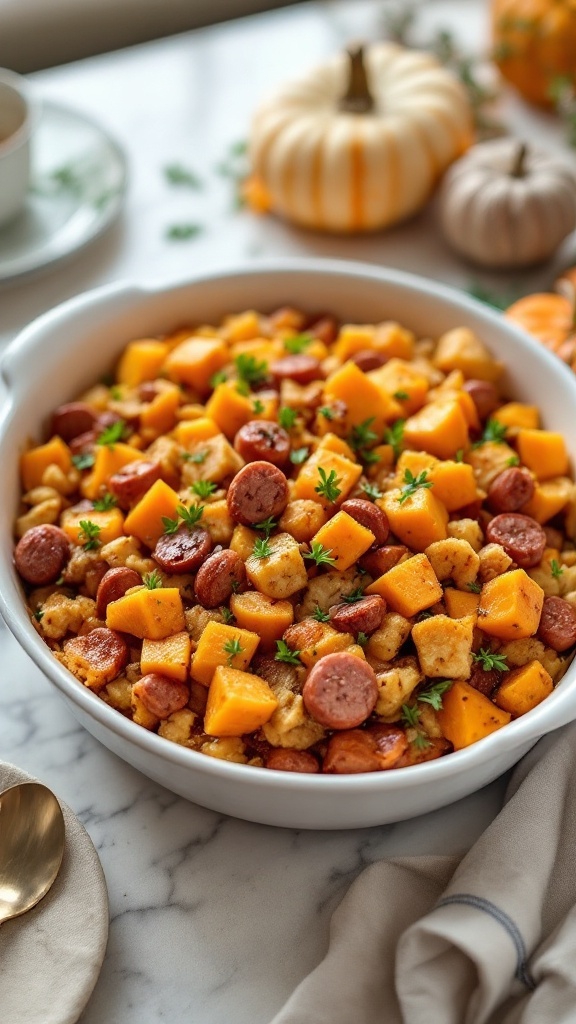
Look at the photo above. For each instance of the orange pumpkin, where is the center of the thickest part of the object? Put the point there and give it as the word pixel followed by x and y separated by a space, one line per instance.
pixel 535 44
pixel 551 316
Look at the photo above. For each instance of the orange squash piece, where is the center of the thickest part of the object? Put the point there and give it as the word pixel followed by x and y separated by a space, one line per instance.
pixel 109 523
pixel 35 462
pixel 148 614
pixel 144 521
pixel 262 615
pixel 170 657
pixel 419 520
pixel 453 482
pixel 222 645
pixel 510 606
pixel 238 703
pixel 516 414
pixel 195 361
pixel 401 383
pixel 363 399
pixel 109 459
pixel 345 539
pixel 229 409
pixel 544 452
pixel 160 415
pixel 461 349
pixel 409 587
pixel 190 431
pixel 140 361
pixel 523 688
pixel 550 497
pixel 440 428
pixel 347 476
pixel 461 603
pixel 467 715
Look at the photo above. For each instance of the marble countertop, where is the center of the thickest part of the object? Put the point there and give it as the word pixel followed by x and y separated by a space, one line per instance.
pixel 212 919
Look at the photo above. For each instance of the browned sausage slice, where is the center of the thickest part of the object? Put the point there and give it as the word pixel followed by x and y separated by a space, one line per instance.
pixel 160 695
pixel 221 575
pixel 363 616
pixel 484 680
pixel 557 627
pixel 265 441
pixel 131 482
pixel 341 691
pixel 114 585
pixel 325 328
pixel 258 491
pixel 300 368
pixel 73 419
pixel 370 516
pixel 368 359
pixel 98 657
pixel 522 538
pixel 284 759
pixel 484 395
pixel 510 489
pixel 183 551
pixel 379 560
pixel 41 554
pixel 365 750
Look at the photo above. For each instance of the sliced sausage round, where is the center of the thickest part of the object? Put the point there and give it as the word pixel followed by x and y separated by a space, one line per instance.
pixel 183 551
pixel 260 440
pixel 41 554
pixel 341 691
pixel 258 491
pixel 72 419
pixel 131 482
pixel 557 627
pixel 364 750
pixel 83 443
pixel 377 561
pixel 302 369
pixel 160 695
pixel 284 759
pixel 325 328
pixel 114 585
pixel 484 680
pixel 363 616
pixel 484 395
pixel 368 359
pixel 510 490
pixel 221 575
pixel 102 653
pixel 522 538
pixel 369 515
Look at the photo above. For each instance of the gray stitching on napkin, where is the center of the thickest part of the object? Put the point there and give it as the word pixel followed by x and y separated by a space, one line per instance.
pixel 522 970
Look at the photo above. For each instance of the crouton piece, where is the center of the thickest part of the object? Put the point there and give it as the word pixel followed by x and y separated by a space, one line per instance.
pixel 455 560
pixel 395 685
pixel 385 643
pixel 493 562
pixel 466 529
pixel 444 646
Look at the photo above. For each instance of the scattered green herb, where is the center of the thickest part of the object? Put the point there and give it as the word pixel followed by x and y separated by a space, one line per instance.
pixel 190 516
pixel 513 461
pixel 89 531
pixel 328 486
pixel 371 491
pixel 153 580
pixel 197 457
pixel 220 377
pixel 112 434
pixel 411 716
pixel 183 232
pixel 203 488
pixel 319 615
pixel 326 412
pixel 227 615
pixel 178 174
pixel 105 503
pixel 362 639
pixel 459 457
pixel 298 456
pixel 298 343
pixel 319 554
pixel 401 396
pixel 267 525
pixel 489 660
pixel 257 407
pixel 556 569
pixel 494 433
pixel 116 393
pixel 355 595
pixel 394 436
pixel 261 548
pixel 38 614
pixel 474 588
pixel 433 694
pixel 85 460
pixel 427 614
pixel 412 484
pixel 420 741
pixel 285 653
pixel 362 437
pixel 287 417
pixel 250 371
pixel 232 648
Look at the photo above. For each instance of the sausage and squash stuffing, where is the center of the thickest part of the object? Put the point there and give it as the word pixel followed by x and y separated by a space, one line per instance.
pixel 304 545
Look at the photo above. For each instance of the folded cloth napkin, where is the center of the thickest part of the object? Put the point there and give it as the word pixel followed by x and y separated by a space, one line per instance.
pixel 486 939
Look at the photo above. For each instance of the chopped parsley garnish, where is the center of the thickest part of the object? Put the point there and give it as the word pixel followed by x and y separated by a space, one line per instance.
pixel 89 533
pixel 355 595
pixel 285 653
pixel 362 639
pixel 326 412
pixel 220 377
pixel 227 615
pixel 489 660
pixel 261 548
pixel 250 371
pixel 232 648
pixel 513 461
pixel 298 456
pixel 196 457
pixel 298 343
pixel 413 483
pixel 38 614
pixel 459 457
pixel 85 460
pixel 319 554
pixel 394 436
pixel 153 580
pixel 411 716
pixel 433 694
pixel 371 491
pixel 361 438
pixel 258 407
pixel 267 525
pixel 177 174
pixel 420 741
pixel 112 434
pixel 319 615
pixel 328 486
pixel 203 488
pixel 556 569
pixel 183 232
pixel 427 614
pixel 401 396
pixel 116 393
pixel 474 588
pixel 105 503
pixel 494 433
pixel 188 516
pixel 287 417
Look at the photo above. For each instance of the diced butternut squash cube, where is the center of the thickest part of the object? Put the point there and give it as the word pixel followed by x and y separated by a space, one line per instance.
pixel 401 383
pixel 393 340
pixel 170 657
pixel 489 460
pixel 229 409
pixel 109 459
pixel 523 688
pixel 189 431
pixel 517 415
pixel 544 452
pixel 345 539
pixel 409 587
pixel 362 398
pixel 263 350
pixel 243 541
pixel 213 459
pixel 336 444
pixel 468 716
pixel 510 606
pixel 382 458
pixel 280 574
pixel 238 703
pixel 110 525
pixel 454 482
pixel 444 646
pixel 160 415
pixel 314 640
pixel 144 521
pixel 195 361
pixel 242 326
pixel 35 462
pixel 140 361
pixel 461 603
pixel 417 521
pixel 439 428
pixel 353 338
pixel 347 476
pixel 147 614
pixel 549 498
pixel 222 645
pixel 461 349
pixel 262 615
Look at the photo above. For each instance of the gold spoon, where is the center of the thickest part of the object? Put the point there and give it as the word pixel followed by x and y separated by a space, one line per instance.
pixel 31 846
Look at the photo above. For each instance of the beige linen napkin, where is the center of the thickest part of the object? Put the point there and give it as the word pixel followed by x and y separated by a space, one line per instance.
pixel 489 939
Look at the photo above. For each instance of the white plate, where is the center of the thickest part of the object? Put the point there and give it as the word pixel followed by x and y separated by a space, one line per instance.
pixel 51 957
pixel 77 190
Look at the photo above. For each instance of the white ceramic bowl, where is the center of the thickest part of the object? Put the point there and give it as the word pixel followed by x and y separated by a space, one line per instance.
pixel 71 346
pixel 18 116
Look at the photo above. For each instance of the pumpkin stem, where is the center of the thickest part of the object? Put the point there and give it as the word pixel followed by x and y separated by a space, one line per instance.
pixel 518 169
pixel 357 99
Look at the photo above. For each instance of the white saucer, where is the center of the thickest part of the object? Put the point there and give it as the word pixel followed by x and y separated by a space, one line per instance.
pixel 51 957
pixel 77 190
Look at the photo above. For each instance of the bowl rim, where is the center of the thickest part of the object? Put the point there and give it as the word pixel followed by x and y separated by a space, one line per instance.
pixel 32 108
pixel 548 715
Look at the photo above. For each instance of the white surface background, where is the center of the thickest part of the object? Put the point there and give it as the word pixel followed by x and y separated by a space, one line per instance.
pixel 213 919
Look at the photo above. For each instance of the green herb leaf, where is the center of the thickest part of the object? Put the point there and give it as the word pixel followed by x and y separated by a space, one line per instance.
pixel 203 488
pixel 227 615
pixel 371 491
pixel 38 614
pixel 261 548
pixel 183 232
pixel 89 531
pixel 513 461
pixel 287 417
pixel 433 694
pixel 326 412
pixel 427 614
pixel 267 525
pixel 178 174
pixel 190 516
pixel 328 486
pixel 285 653
pixel 257 407
pixel 489 660
pixel 250 371
pixel 362 436
pixel 411 716
pixel 319 615
pixel 170 525
pixel 298 343
pixel 196 457
pixel 85 460
pixel 394 436
pixel 116 394
pixel 319 554
pixel 475 588
pixel 459 457
pixel 298 456
pixel 220 377
pixel 401 396
pixel 362 639
pixel 232 648
pixel 105 503
pixel 420 741
pixel 494 432
pixel 112 434
pixel 413 484
pixel 556 569
pixel 355 595
pixel 153 580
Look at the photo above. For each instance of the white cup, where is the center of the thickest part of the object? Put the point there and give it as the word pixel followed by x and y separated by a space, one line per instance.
pixel 18 117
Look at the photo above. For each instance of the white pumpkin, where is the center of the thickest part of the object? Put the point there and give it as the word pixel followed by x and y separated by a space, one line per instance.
pixel 506 204
pixel 360 142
